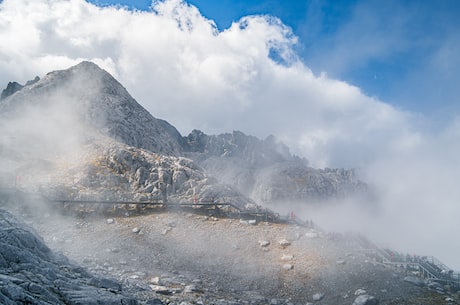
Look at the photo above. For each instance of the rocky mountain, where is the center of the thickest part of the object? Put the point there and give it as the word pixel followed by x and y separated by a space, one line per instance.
pixel 79 133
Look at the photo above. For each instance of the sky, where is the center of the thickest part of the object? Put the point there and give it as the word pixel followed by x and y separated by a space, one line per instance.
pixel 370 85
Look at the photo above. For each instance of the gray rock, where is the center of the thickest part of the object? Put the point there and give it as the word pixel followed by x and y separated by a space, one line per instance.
pixel 415 281
pixel 30 273
pixel 10 89
pixel 365 299
pixel 318 296
pixel 264 243
pixel 284 243
pixel 360 292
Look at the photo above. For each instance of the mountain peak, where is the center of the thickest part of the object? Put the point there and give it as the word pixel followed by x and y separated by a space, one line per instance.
pixel 91 97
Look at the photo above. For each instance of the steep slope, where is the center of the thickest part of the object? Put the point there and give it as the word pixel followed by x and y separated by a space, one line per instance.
pixel 90 96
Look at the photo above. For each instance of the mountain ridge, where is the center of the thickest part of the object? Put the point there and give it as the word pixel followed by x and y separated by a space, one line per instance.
pixel 88 103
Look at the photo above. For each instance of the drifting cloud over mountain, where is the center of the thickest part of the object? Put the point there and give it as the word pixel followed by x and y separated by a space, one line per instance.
pixel 182 68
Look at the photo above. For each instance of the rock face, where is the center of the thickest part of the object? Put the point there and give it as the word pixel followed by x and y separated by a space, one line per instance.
pixel 10 89
pixel 108 144
pixel 92 97
pixel 266 171
pixel 30 273
pixel 128 173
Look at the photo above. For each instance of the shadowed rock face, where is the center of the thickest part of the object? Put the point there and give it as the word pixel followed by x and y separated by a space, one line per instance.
pixel 14 87
pixel 10 89
pixel 30 273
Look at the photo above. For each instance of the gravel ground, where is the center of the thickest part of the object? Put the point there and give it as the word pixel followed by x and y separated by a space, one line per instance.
pixel 185 258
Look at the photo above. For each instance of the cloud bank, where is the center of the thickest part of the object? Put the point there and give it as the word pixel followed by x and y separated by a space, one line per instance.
pixel 248 77
pixel 181 68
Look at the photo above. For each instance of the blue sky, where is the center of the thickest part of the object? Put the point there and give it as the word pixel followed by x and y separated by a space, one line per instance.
pixel 403 52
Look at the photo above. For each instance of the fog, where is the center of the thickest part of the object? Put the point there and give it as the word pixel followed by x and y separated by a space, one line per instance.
pixel 181 68
pixel 36 137
pixel 45 131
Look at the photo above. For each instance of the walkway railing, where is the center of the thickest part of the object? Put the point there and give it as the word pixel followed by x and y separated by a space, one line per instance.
pixel 427 266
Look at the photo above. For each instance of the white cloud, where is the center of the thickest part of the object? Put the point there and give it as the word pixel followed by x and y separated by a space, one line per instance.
pixel 182 69
pixel 176 63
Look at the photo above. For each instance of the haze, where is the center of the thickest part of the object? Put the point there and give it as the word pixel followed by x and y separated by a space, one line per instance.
pixel 248 77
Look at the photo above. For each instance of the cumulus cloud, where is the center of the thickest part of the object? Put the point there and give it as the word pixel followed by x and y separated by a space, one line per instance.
pixel 179 66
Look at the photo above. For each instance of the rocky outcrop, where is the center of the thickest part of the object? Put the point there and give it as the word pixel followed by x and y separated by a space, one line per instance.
pixel 296 182
pixel 266 171
pixel 10 89
pixel 30 273
pixel 121 172
pixel 14 87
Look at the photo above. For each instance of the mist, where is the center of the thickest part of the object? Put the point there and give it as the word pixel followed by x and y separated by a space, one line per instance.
pixel 413 207
pixel 47 132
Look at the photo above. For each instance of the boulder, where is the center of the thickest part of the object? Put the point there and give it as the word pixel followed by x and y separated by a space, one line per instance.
pixel 318 296
pixel 288 266
pixel 365 299
pixel 284 243
pixel 264 243
pixel 360 292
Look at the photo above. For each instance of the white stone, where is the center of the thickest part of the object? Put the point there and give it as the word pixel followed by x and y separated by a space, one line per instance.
pixel 287 257
pixel 284 243
pixel 288 267
pixel 264 243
